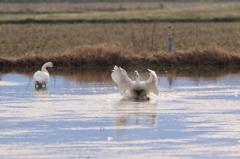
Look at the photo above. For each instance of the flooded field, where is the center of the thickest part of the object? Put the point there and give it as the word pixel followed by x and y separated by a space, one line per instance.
pixel 83 116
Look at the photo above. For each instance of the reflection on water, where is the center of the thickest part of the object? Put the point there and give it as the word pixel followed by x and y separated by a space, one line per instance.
pixel 82 115
pixel 41 89
pixel 135 113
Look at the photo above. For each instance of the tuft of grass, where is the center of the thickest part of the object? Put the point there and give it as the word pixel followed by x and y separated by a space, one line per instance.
pixel 96 56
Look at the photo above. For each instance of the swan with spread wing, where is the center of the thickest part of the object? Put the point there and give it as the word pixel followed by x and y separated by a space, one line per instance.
pixel 137 89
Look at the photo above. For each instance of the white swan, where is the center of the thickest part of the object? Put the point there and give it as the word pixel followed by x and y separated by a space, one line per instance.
pixel 138 90
pixel 42 77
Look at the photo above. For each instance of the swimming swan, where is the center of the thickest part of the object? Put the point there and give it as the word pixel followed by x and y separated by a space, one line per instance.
pixel 138 90
pixel 42 77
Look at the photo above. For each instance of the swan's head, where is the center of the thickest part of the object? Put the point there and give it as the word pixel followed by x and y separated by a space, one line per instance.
pixel 136 73
pixel 49 64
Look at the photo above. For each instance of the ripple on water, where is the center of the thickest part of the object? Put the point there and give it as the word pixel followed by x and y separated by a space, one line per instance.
pixel 76 119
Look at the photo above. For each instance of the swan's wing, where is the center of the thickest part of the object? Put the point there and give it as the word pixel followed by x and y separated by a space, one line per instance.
pixel 120 76
pixel 41 77
pixel 151 83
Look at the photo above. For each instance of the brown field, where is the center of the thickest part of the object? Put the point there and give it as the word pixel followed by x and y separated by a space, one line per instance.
pixel 107 44
pixel 116 6
pixel 80 7
pixel 125 44
pixel 21 40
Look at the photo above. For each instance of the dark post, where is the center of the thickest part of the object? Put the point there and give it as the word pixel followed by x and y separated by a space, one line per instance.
pixel 170 40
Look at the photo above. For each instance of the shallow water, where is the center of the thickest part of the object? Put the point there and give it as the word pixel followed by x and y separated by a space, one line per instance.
pixel 83 116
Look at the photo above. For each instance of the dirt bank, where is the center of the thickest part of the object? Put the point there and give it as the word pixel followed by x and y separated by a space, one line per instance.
pixel 108 56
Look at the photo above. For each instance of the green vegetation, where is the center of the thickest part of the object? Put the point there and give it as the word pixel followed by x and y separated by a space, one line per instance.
pixel 80 1
pixel 119 12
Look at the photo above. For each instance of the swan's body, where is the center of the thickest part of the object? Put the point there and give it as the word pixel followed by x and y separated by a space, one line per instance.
pixel 138 90
pixel 41 78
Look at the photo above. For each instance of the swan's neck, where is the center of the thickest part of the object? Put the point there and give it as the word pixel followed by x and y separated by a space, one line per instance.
pixel 137 78
pixel 44 68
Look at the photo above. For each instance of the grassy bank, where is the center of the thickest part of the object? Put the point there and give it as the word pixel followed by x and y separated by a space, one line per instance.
pixel 23 40
pixel 108 56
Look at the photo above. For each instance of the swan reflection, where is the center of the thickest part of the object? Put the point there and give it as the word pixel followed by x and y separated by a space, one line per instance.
pixel 132 113
pixel 41 90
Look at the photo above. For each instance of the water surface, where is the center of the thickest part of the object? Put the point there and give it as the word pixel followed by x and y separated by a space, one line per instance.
pixel 83 116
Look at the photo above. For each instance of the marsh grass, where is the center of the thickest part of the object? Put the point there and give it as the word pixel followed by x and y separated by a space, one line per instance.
pixel 108 55
pixel 22 40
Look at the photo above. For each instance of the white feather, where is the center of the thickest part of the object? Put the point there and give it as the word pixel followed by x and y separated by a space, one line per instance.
pixel 128 86
pixel 42 77
pixel 152 82
pixel 120 76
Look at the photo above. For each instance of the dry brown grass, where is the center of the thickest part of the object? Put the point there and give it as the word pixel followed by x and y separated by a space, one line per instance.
pixel 125 44
pixel 99 56
pixel 23 40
